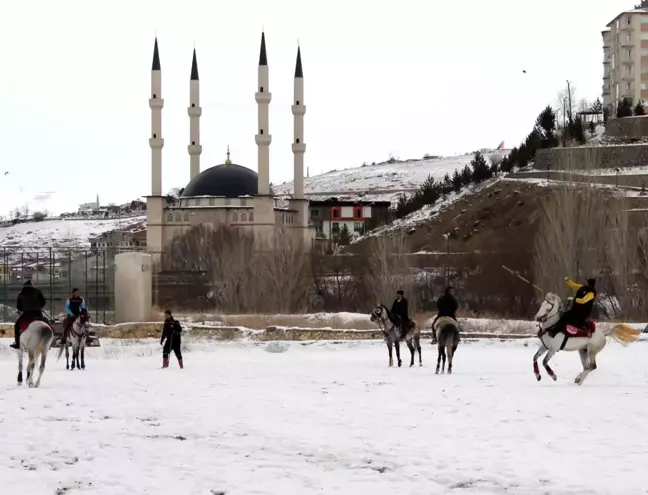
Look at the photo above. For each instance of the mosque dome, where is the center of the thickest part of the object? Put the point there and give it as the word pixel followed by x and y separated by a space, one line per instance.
pixel 228 180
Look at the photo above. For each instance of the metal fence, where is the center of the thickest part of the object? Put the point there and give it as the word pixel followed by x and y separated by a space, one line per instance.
pixel 56 272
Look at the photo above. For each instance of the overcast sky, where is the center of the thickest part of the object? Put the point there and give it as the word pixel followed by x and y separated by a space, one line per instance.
pixel 404 77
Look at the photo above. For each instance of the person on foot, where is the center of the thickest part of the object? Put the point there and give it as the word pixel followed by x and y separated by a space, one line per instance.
pixel 171 339
pixel 446 306
pixel 30 303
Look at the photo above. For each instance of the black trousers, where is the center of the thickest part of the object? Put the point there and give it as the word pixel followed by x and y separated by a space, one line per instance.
pixel 174 343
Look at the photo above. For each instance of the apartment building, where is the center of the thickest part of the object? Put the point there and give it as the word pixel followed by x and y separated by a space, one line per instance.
pixel 625 58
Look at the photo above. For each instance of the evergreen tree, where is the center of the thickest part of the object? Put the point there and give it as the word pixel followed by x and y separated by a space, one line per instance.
pixel 624 108
pixel 597 106
pixel 446 187
pixel 480 168
pixel 457 181
pixel 494 167
pixel 639 109
pixel 545 128
pixel 344 237
pixel 466 175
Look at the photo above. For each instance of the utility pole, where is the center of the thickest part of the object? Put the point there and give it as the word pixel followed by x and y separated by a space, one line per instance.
pixel 570 100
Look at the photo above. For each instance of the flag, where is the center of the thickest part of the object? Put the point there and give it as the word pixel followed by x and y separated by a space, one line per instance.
pixel 501 146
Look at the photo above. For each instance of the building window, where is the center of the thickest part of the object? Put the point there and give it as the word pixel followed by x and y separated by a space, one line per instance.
pixel 193 105
pixel 297 141
pixel 336 213
pixel 297 102
pixel 629 20
pixel 234 217
pixel 335 228
pixel 617 24
pixel 170 217
pixel 260 131
pixel 243 217
pixel 357 212
pixel 357 227
pixel 186 217
pixel 177 217
pixel 154 96
pixel 251 217
pixel 154 135
pixel 628 88
pixel 261 89
pixel 193 142
pixel 613 60
pixel 315 213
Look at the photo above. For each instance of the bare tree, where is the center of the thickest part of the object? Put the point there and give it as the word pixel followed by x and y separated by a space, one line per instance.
pixel 389 268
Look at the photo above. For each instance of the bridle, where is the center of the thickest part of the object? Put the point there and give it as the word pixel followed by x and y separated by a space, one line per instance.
pixel 80 322
pixel 380 316
pixel 543 319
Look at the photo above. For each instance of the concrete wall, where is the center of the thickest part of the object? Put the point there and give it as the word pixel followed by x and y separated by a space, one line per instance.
pixel 629 127
pixel 639 180
pixel 588 157
pixel 133 287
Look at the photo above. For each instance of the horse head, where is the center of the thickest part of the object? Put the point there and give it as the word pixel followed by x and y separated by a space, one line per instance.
pixel 379 314
pixel 82 321
pixel 549 307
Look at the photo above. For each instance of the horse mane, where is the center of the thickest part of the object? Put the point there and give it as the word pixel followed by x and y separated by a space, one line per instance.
pixel 389 313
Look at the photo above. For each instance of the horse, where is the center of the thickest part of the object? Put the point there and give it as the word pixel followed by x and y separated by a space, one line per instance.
pixel 393 335
pixel 36 340
pixel 447 334
pixel 76 337
pixel 588 342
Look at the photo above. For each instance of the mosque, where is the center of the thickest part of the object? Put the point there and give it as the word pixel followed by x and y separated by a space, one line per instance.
pixel 227 194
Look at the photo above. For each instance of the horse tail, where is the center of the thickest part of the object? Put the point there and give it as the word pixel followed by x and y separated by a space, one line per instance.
pixel 623 334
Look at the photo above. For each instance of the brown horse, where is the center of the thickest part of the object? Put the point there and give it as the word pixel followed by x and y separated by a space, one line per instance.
pixel 390 326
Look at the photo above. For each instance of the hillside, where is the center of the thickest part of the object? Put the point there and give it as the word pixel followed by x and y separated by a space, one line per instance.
pixel 382 181
pixel 60 233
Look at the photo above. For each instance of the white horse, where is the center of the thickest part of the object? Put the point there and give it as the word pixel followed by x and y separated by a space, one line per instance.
pixel 36 340
pixel 77 339
pixel 393 335
pixel 548 316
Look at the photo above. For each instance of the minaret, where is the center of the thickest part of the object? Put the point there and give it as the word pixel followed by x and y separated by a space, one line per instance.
pixel 156 142
pixel 263 137
pixel 298 146
pixel 195 111
pixel 155 202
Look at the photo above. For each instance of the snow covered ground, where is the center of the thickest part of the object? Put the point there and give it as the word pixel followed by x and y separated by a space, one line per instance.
pixel 324 418
pixel 60 233
pixel 383 181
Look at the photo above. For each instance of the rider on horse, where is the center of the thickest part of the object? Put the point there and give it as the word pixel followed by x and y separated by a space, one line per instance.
pixel 74 306
pixel 30 303
pixel 401 311
pixel 446 306
pixel 582 304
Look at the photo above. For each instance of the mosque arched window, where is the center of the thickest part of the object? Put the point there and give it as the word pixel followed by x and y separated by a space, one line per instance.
pixel 177 217
pixel 186 217
pixel 235 217
pixel 170 217
pixel 251 217
pixel 242 217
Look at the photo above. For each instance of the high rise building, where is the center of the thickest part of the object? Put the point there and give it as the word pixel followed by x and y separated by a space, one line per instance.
pixel 625 58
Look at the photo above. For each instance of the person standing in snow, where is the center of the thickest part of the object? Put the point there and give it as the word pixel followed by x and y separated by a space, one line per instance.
pixel 171 339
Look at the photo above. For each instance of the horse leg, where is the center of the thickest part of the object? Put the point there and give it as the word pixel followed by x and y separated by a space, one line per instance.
pixel 389 348
pixel 41 368
pixel 590 359
pixel 20 366
pixel 410 346
pixel 67 353
pixel 450 352
pixel 536 369
pixel 30 368
pixel 82 356
pixel 76 354
pixel 545 363
pixel 417 343
pixel 440 355
pixel 397 346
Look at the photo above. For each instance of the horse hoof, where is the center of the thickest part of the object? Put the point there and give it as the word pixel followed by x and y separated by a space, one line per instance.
pixel 449 372
pixel 420 365
pixel 538 377
pixel 554 377
pixel 436 372
pixel 31 385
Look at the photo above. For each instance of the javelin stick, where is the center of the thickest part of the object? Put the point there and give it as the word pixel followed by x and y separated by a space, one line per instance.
pixel 516 274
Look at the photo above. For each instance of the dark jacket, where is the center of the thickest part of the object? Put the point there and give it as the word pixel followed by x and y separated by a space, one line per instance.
pixel 30 300
pixel 583 303
pixel 400 309
pixel 74 306
pixel 447 306
pixel 171 330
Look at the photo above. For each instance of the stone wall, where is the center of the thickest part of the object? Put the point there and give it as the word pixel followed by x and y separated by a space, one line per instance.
pixel 634 180
pixel 628 127
pixel 589 157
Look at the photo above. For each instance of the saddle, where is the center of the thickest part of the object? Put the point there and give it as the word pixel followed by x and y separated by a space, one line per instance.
pixel 25 322
pixel 587 331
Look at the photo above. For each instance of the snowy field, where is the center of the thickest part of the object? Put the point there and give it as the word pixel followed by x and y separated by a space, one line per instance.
pixel 325 418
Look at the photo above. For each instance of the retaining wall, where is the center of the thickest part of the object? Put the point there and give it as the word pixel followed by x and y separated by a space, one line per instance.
pixel 627 127
pixel 592 157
